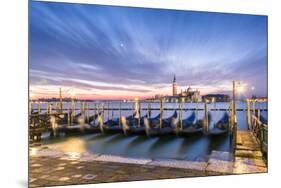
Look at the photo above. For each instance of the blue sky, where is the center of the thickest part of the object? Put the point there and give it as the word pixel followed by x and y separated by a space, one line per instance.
pixel 99 51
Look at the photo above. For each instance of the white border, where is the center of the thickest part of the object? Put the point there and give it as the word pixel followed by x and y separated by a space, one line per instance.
pixel 14 90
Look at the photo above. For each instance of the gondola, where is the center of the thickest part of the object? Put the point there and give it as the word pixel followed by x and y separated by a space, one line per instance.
pixel 131 126
pixel 78 129
pixel 80 126
pixel 77 118
pixel 92 119
pixel 191 128
pixel 152 126
pixel 62 118
pixel 221 127
pixel 112 125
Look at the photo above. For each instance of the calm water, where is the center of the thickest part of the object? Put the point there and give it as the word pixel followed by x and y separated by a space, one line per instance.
pixel 189 148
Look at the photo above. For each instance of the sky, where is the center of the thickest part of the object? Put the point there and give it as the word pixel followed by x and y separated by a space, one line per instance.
pixel 110 52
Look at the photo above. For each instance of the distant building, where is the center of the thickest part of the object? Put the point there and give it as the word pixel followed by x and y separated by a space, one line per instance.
pixel 174 86
pixel 216 97
pixel 185 95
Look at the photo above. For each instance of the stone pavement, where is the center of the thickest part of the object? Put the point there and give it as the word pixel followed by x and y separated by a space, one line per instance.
pixel 46 171
pixel 49 167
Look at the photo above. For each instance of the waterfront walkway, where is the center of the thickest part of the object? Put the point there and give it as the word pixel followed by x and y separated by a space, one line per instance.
pixel 248 153
pixel 49 167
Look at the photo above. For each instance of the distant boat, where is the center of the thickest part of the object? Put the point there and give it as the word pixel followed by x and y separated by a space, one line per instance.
pixel 152 125
pixel 221 127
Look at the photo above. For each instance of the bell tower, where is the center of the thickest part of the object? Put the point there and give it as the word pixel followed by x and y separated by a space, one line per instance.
pixel 174 86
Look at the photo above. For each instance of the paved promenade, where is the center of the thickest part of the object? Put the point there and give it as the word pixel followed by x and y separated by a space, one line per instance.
pixel 49 167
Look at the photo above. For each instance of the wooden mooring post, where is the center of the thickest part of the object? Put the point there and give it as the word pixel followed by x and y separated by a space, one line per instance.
pixel 102 111
pixel 87 112
pixel 39 107
pixel 120 103
pixel 68 117
pixel 161 112
pixel 248 107
pixel 50 109
pixel 73 110
pixel 259 114
pixel 196 110
pixel 108 105
pixel 61 104
pixel 180 114
pixel 47 108
pixel 30 107
pixel 139 112
pixel 81 108
pixel 234 118
pixel 57 107
pixel 149 110
pixel 206 122
pixel 133 112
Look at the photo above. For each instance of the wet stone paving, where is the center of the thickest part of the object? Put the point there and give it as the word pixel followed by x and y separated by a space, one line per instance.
pixel 48 167
pixel 46 171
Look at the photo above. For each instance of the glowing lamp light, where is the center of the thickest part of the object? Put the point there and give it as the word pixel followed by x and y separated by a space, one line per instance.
pixel 72 93
pixel 241 89
pixel 31 95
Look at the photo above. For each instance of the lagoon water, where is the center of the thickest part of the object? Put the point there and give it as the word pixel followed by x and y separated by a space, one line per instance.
pixel 172 147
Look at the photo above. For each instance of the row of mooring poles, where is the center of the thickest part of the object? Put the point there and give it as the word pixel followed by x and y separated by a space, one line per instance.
pixel 206 119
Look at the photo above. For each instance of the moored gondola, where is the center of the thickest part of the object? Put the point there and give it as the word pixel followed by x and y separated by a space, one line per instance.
pixel 221 127
pixel 153 126
pixel 133 125
pixel 112 125
pixel 78 129
pixel 191 128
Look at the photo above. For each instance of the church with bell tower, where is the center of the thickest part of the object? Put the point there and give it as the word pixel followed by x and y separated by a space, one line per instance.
pixel 174 86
